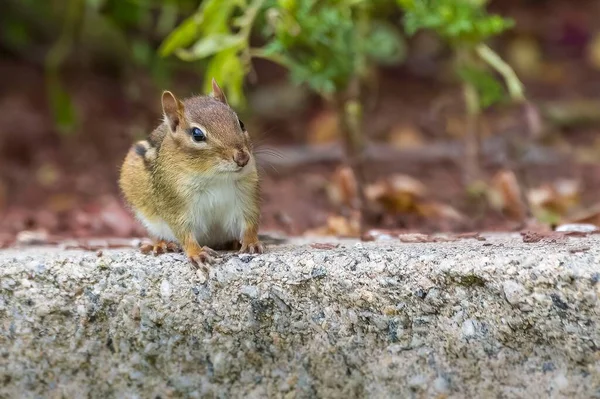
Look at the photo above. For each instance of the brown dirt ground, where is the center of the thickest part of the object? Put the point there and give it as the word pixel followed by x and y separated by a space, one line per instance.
pixel 67 185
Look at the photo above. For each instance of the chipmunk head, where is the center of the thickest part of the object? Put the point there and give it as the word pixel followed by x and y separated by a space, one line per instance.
pixel 208 132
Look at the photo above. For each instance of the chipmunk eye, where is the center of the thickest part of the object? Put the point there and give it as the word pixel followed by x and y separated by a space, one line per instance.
pixel 242 125
pixel 198 135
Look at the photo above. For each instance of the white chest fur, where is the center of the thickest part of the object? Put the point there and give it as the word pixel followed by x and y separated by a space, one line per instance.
pixel 215 212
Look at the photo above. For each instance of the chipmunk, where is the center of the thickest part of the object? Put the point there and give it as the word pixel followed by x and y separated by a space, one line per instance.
pixel 194 183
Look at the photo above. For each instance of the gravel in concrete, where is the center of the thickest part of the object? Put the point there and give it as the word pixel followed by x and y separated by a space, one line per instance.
pixel 488 319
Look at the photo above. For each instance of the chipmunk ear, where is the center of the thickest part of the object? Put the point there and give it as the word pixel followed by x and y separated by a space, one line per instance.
pixel 173 110
pixel 218 93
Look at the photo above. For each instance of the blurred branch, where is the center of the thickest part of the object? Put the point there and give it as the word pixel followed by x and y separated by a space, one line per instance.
pixel 472 172
pixel 570 113
pixel 61 49
pixel 60 102
pixel 515 87
pixel 492 150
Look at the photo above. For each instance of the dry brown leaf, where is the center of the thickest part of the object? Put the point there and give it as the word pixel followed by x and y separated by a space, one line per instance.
pixel 438 210
pixel 531 236
pixel 323 128
pixel 324 245
pixel 474 235
pixel 367 237
pixel 343 227
pixel 559 197
pixel 443 238
pixel 590 215
pixel 575 233
pixel 415 238
pixel 398 193
pixel 579 249
pixel 425 238
pixel 343 189
pixel 338 226
pixel 405 136
pixel 404 194
pixel 534 236
pixel 505 195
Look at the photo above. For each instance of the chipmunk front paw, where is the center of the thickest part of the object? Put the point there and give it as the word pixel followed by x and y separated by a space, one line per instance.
pixel 203 258
pixel 252 248
pixel 159 247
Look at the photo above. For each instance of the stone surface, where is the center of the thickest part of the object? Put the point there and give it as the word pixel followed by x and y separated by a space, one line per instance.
pixel 494 318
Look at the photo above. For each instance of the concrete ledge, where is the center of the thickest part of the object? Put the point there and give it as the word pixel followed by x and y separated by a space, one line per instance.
pixel 494 318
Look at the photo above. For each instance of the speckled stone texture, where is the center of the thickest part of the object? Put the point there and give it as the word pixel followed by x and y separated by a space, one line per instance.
pixel 466 319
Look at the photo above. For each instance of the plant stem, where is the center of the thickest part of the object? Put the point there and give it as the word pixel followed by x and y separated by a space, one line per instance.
pixel 517 145
pixel 57 97
pixel 515 87
pixel 465 58
pixel 245 31
pixel 350 113
pixel 61 49
pixel 472 172
pixel 249 17
pixel 260 53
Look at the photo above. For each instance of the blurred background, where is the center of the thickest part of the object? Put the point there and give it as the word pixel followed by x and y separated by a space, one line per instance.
pixel 449 115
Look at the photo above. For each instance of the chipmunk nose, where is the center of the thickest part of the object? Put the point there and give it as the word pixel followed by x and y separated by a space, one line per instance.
pixel 241 158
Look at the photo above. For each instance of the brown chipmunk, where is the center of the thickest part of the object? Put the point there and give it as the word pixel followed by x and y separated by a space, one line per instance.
pixel 194 181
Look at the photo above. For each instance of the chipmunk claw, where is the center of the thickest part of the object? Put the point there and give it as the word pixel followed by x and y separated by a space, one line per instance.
pixel 159 247
pixel 172 247
pixel 202 261
pixel 210 251
pixel 252 248
pixel 204 258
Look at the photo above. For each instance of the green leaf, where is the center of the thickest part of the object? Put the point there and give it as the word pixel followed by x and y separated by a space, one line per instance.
pixel 182 36
pixel 385 44
pixel 167 18
pixel 228 70
pixel 142 52
pixel 489 89
pixel 95 4
pixel 209 46
pixel 458 21
pixel 212 18
pixel 216 14
pixel 16 33
pixel 61 105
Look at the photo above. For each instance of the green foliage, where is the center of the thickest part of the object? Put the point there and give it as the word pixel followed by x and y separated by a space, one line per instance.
pixel 460 22
pixel 120 33
pixel 326 44
pixel 465 25
pixel 61 105
pixel 216 31
pixel 488 88
pixel 323 44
